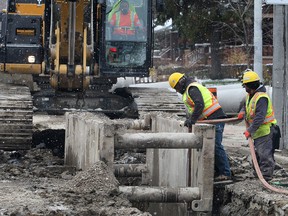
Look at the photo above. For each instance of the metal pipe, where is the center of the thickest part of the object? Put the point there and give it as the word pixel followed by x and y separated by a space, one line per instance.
pixel 129 170
pixel 160 194
pixel 157 140
pixel 258 59
pixel 71 33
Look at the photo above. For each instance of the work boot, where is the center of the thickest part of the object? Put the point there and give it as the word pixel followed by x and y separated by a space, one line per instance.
pixel 222 178
pixel 267 178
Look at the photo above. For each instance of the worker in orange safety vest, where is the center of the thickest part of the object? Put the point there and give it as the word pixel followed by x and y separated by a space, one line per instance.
pixel 124 21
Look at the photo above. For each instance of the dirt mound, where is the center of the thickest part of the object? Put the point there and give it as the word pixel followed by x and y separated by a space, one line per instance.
pixel 97 178
pixel 36 183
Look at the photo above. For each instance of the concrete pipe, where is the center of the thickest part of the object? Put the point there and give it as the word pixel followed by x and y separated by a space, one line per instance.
pixel 160 194
pixel 129 170
pixel 157 140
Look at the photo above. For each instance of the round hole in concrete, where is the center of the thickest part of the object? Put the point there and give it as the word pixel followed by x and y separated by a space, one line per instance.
pixel 196 205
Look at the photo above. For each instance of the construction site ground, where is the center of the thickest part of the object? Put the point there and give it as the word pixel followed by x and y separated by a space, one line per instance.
pixel 246 195
pixel 36 182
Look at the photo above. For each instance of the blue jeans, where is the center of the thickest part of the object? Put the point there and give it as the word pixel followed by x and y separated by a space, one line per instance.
pixel 222 166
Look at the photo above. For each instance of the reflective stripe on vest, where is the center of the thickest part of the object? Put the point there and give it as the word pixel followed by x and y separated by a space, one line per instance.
pixel 211 104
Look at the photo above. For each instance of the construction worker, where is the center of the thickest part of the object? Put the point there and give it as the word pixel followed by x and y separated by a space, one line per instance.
pixel 124 21
pixel 201 104
pixel 259 117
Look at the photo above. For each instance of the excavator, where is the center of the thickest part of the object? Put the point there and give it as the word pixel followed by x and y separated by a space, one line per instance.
pixel 61 55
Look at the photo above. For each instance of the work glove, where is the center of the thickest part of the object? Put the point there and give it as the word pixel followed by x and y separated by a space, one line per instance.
pixel 247 134
pixel 188 123
pixel 240 115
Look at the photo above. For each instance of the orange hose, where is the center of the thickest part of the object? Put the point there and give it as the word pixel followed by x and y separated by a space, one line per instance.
pixel 258 171
pixel 216 121
pixel 252 150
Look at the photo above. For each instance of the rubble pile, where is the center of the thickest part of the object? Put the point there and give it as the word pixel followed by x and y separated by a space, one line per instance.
pixel 242 168
pixel 97 178
pixel 36 183
pixel 247 196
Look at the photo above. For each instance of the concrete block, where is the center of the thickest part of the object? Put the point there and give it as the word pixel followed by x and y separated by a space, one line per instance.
pixel 88 139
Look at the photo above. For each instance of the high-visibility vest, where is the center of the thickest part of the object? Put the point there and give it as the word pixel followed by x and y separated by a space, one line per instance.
pixel 211 104
pixel 132 16
pixel 264 129
pixel 129 27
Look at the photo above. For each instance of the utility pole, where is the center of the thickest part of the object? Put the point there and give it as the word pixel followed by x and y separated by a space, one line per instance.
pixel 280 65
pixel 279 76
pixel 258 68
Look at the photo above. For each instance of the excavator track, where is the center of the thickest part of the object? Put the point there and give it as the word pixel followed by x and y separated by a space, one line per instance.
pixel 16 111
pixel 16 117
pixel 157 100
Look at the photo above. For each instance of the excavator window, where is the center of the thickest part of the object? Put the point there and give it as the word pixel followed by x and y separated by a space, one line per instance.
pixel 136 3
pixel 127 33
pixel 126 21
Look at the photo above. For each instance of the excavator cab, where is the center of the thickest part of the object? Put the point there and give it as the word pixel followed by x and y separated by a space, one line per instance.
pixel 126 50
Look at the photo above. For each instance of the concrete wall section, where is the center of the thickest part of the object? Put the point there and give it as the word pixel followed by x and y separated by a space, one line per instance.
pixel 87 140
pixel 182 167
pixel 172 163
pixel 167 167
pixel 204 173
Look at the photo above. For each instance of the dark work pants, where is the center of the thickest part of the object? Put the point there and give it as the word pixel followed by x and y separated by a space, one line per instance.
pixel 222 166
pixel 265 154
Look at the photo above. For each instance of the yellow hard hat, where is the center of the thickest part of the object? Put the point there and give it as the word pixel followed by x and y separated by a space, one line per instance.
pixel 174 79
pixel 250 76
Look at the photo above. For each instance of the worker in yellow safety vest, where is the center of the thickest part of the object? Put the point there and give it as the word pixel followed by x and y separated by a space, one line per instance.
pixel 201 104
pixel 260 122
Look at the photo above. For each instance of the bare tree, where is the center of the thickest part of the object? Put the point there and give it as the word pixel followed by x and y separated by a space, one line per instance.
pixel 240 24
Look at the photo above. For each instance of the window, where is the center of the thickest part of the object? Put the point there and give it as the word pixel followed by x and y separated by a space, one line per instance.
pixel 126 33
